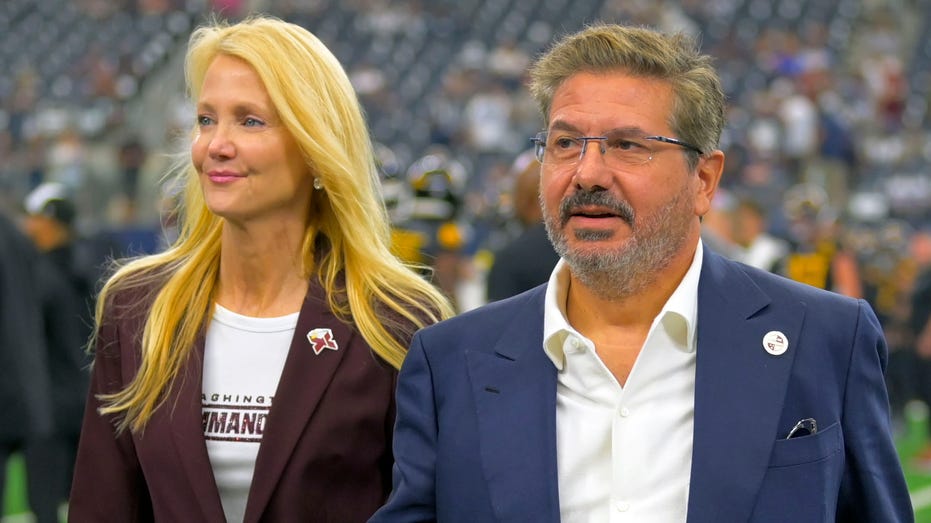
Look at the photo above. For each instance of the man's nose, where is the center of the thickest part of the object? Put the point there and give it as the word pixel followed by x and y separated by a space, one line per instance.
pixel 591 172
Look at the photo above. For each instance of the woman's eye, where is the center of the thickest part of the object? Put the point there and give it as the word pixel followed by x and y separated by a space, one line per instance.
pixel 252 122
pixel 204 120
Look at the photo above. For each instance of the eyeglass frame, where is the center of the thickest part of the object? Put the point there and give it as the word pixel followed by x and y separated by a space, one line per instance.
pixel 539 143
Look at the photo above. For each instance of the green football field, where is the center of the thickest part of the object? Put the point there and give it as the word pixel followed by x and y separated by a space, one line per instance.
pixel 914 439
pixel 14 499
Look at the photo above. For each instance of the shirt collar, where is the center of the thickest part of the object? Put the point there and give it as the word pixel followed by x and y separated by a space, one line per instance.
pixel 679 315
pixel 555 325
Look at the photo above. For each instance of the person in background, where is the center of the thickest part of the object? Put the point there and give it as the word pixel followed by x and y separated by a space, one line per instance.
pixel 398 197
pixel 756 246
pixel 717 225
pixel 816 256
pixel 247 372
pixel 651 379
pixel 437 218
pixel 24 382
pixel 131 159
pixel 528 259
pixel 919 326
pixel 65 286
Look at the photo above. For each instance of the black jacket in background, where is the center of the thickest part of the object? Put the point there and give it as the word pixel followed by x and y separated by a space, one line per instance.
pixel 24 382
pixel 524 263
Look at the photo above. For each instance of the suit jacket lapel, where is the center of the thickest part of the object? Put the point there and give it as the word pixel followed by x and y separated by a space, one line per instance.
pixel 514 387
pixel 739 391
pixel 184 411
pixel 304 380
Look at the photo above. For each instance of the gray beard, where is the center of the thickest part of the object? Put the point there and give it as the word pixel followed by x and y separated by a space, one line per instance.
pixel 627 270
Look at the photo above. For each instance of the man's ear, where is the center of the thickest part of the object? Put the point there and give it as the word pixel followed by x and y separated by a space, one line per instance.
pixel 708 175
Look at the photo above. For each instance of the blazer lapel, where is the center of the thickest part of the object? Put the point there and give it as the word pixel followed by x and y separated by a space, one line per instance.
pixel 304 380
pixel 185 411
pixel 739 391
pixel 514 387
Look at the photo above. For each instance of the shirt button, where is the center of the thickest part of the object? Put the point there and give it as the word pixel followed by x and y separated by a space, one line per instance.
pixel 622 506
pixel 624 412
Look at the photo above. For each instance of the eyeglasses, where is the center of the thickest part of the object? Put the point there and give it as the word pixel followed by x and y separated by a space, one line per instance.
pixel 618 149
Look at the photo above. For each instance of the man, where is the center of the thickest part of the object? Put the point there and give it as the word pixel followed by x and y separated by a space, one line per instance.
pixel 650 380
pixel 24 383
pixel 919 327
pixel 815 255
pixel 528 259
pixel 758 248
pixel 436 229
pixel 65 291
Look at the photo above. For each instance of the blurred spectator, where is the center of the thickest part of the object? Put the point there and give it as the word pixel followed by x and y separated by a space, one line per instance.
pixel 24 382
pixel 438 182
pixel 383 19
pixel 765 131
pixel 487 119
pixel 131 157
pixel 889 260
pixel 717 225
pixel 22 102
pixel 507 61
pixel 817 256
pixel 66 279
pixel 445 107
pixel 887 271
pixel 66 161
pixel 799 116
pixel 757 247
pixel 920 325
pixel 765 182
pixel 527 260
pixel 398 196
pixel 49 222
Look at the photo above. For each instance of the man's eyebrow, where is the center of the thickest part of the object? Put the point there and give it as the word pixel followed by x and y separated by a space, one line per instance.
pixel 561 125
pixel 630 130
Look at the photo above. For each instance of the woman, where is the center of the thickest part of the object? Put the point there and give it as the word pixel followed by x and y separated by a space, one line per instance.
pixel 247 373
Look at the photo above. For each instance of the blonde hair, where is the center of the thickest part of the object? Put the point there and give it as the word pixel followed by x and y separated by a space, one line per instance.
pixel 698 115
pixel 365 284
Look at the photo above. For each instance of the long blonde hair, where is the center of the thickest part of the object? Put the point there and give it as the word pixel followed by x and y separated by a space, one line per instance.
pixel 365 284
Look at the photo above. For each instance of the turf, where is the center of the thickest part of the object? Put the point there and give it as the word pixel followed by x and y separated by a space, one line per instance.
pixel 913 441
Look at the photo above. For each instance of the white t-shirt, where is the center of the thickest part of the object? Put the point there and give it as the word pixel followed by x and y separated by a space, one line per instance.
pixel 243 360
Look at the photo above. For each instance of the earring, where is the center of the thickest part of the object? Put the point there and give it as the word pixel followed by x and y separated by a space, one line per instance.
pixel 318 183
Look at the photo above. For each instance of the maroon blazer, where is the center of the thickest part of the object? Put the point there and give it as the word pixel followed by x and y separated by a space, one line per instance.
pixel 326 449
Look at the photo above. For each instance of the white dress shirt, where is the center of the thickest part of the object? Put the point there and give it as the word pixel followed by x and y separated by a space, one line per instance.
pixel 624 454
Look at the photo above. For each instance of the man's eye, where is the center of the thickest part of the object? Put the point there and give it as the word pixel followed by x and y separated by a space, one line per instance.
pixel 625 145
pixel 565 142
pixel 204 120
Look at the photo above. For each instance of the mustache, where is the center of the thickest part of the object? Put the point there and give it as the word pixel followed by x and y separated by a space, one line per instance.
pixel 598 199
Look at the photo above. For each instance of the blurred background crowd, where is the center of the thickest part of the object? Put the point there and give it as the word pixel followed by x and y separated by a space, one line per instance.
pixel 828 144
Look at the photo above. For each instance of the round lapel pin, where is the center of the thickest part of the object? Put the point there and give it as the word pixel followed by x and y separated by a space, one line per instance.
pixel 775 343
